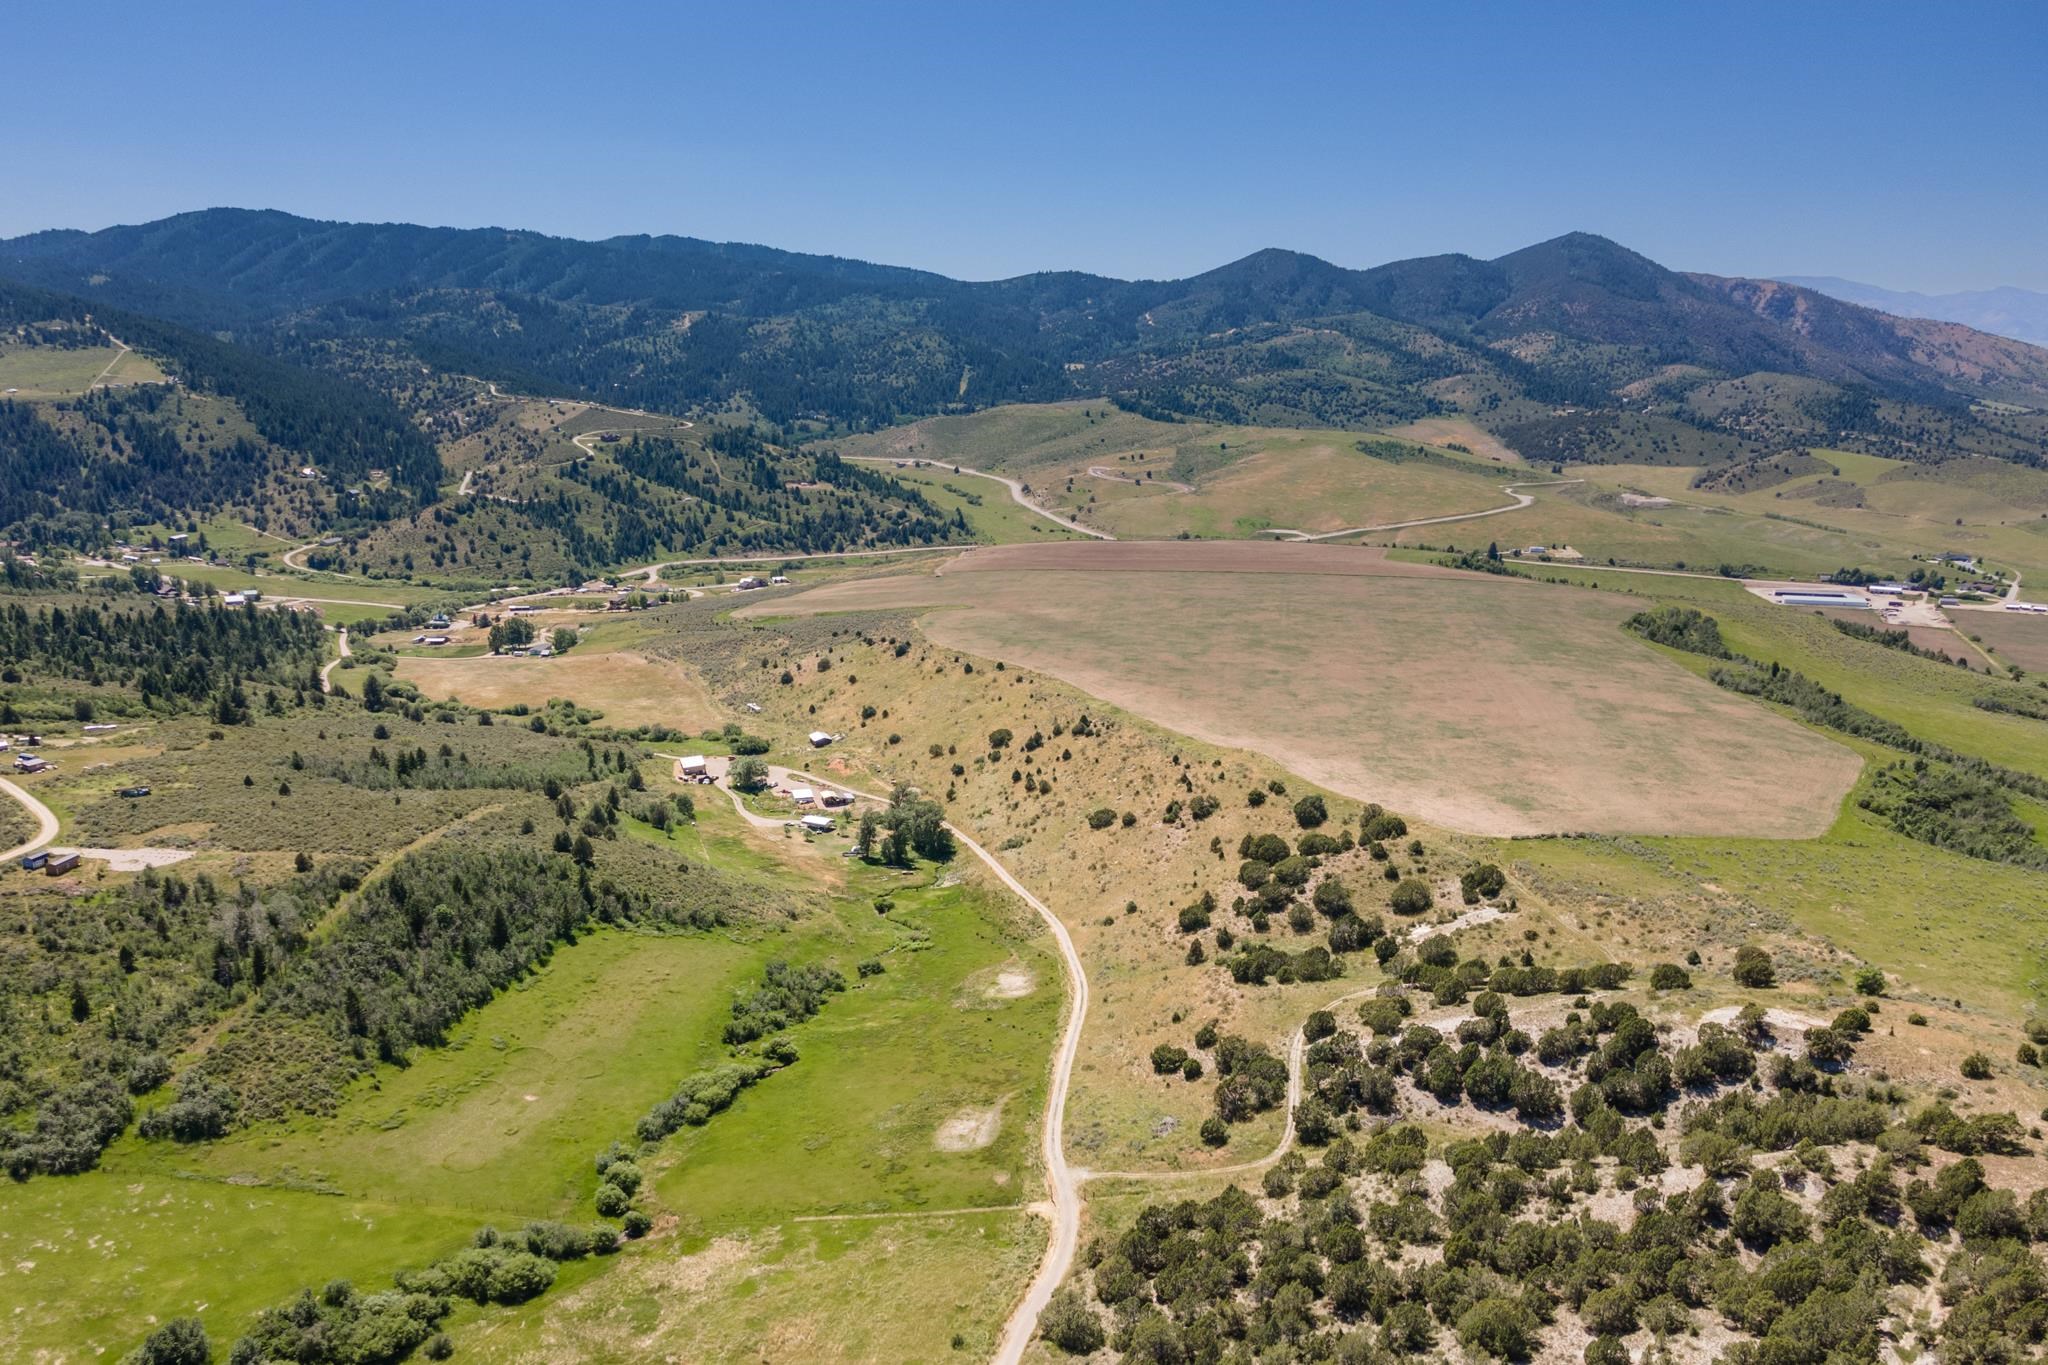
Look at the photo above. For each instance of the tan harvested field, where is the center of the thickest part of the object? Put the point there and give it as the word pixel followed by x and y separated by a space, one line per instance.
pixel 1490 705
pixel 1194 556
pixel 628 688
pixel 2019 638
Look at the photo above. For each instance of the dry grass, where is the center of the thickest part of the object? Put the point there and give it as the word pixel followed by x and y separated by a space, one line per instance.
pixel 1444 431
pixel 1491 705
pixel 2017 638
pixel 629 688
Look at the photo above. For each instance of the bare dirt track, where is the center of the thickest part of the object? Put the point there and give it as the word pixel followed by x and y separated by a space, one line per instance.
pixel 1492 705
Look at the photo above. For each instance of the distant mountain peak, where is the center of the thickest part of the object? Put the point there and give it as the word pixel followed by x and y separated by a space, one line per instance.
pixel 2005 310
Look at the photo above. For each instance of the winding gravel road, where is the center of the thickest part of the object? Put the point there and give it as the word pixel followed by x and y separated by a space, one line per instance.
pixel 327 669
pixel 1017 489
pixel 45 818
pixel 1521 500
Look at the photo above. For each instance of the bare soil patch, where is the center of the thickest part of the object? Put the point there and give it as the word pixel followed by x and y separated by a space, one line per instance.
pixel 970 1130
pixel 132 859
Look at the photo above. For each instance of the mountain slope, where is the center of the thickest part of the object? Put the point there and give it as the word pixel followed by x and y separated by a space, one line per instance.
pixel 1585 349
pixel 2021 314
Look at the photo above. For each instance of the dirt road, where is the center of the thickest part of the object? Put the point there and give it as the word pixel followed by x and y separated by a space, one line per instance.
pixel 1062 1182
pixel 1017 490
pixel 1521 500
pixel 1096 471
pixel 46 821
pixel 327 669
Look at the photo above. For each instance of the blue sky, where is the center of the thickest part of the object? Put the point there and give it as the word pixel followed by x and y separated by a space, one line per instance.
pixel 1902 145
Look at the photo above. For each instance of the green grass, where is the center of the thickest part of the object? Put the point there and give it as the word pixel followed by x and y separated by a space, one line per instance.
pixel 501 1125
pixel 1946 925
pixel 991 512
pixel 49 372
pixel 88 1261
pixel 852 1127
pixel 503 1121
pixel 897 1290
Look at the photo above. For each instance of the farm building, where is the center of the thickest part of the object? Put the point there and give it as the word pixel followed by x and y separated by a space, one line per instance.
pixel 803 796
pixel 817 824
pixel 30 763
pixel 819 739
pixel 749 584
pixel 233 599
pixel 692 768
pixel 59 864
pixel 829 798
pixel 1822 599
pixel 778 580
pixel 431 640
pixel 33 862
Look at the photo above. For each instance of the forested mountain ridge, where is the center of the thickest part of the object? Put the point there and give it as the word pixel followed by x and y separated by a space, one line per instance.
pixel 671 323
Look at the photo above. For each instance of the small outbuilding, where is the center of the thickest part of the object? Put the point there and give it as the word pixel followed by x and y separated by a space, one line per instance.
pixel 817 824
pixel 692 768
pixel 819 739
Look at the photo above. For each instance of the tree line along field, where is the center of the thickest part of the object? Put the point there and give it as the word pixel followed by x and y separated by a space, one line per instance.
pixel 266 1120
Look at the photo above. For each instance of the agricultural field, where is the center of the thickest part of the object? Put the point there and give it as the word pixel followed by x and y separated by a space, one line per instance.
pixel 51 372
pixel 1576 728
pixel 603 672
pixel 2014 638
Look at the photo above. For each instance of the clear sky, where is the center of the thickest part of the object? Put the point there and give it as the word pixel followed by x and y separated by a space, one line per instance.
pixel 1903 145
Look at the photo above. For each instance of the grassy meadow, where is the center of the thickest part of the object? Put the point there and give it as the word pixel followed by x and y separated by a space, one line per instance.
pixel 51 372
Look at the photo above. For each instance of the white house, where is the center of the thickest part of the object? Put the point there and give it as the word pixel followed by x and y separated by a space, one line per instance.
pixel 817 824
pixel 778 580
